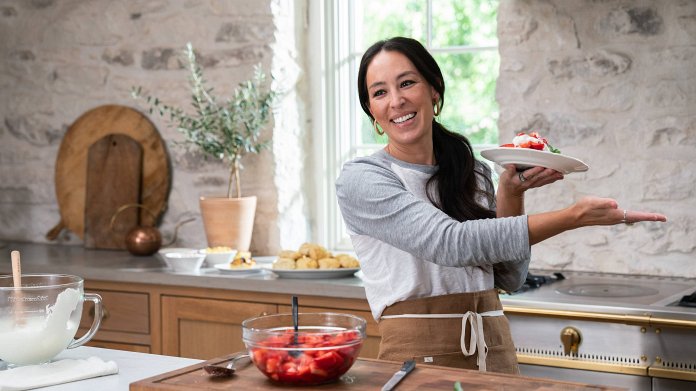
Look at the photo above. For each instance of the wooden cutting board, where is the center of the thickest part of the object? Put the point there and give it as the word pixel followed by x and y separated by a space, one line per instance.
pixel 366 374
pixel 71 164
pixel 114 167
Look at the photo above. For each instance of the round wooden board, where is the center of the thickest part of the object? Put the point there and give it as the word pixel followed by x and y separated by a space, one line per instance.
pixel 71 164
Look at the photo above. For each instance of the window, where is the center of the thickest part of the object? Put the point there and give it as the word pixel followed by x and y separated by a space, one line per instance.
pixel 461 35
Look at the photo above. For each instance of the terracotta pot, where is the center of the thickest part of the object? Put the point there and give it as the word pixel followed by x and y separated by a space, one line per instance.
pixel 228 221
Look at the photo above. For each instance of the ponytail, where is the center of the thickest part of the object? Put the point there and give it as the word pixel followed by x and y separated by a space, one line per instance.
pixel 457 177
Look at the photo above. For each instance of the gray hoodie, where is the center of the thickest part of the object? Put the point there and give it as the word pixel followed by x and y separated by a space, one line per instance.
pixel 410 249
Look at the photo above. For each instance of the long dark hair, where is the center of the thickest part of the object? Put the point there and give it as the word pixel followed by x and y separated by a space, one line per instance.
pixel 456 177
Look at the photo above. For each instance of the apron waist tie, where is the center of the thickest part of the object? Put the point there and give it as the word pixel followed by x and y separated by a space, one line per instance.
pixel 476 339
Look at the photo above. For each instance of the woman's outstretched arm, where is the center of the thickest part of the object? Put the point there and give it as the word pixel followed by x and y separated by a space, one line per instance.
pixel 587 212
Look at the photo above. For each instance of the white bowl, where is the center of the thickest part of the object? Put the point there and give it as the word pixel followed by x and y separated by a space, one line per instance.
pixel 181 250
pixel 186 262
pixel 218 258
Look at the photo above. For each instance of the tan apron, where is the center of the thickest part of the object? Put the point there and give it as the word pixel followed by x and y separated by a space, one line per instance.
pixel 463 330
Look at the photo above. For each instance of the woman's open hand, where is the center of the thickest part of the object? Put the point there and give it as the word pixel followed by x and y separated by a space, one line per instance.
pixel 605 211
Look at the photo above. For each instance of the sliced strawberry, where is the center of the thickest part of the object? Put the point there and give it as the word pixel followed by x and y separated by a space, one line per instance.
pixel 329 360
pixel 315 370
pixel 537 146
pixel 272 365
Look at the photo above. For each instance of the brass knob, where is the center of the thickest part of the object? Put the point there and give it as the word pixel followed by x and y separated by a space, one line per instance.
pixel 570 338
pixel 264 313
pixel 105 312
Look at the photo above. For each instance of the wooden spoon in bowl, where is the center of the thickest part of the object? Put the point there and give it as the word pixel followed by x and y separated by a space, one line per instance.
pixel 17 282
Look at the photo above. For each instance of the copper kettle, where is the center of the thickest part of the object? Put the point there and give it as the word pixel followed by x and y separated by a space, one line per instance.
pixel 143 240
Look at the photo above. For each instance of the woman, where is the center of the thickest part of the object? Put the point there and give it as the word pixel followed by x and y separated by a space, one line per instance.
pixel 433 239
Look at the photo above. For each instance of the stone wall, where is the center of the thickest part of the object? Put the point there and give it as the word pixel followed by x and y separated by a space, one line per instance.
pixel 59 59
pixel 612 83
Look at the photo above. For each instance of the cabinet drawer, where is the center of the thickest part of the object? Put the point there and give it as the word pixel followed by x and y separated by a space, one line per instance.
pixel 123 312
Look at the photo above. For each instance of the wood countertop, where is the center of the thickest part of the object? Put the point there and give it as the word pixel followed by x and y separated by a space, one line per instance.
pixel 366 374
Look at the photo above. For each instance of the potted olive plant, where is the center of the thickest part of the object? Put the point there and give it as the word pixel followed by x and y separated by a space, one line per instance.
pixel 227 131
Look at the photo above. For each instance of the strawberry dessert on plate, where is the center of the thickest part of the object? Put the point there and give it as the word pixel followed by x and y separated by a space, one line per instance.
pixel 532 141
pixel 531 150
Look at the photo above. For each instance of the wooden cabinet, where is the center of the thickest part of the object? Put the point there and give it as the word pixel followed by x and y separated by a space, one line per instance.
pixel 204 328
pixel 125 323
pixel 197 322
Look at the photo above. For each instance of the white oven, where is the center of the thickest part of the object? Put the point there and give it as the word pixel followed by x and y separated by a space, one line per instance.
pixel 619 330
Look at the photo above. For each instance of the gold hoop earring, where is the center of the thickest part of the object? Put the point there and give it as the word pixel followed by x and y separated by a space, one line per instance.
pixel 379 132
pixel 437 108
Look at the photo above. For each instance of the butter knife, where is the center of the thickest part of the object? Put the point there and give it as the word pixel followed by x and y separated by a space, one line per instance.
pixel 406 368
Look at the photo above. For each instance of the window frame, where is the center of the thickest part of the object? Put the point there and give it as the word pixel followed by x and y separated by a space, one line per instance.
pixel 335 133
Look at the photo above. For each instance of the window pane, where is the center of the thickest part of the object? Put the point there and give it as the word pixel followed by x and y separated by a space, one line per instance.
pixel 386 19
pixel 470 106
pixel 464 23
pixel 367 131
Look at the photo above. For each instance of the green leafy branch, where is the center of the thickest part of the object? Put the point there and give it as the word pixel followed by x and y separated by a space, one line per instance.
pixel 227 130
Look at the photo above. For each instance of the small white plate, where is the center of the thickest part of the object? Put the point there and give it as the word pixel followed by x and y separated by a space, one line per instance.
pixel 225 269
pixel 316 273
pixel 525 158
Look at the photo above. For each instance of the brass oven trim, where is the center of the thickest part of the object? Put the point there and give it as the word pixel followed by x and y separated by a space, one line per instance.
pixel 637 320
pixel 667 373
pixel 673 323
pixel 640 370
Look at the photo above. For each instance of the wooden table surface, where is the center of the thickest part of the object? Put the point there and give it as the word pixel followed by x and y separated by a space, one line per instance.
pixel 366 374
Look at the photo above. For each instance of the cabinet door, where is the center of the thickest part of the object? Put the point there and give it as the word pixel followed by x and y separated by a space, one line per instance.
pixel 206 328
pixel 125 323
pixel 370 347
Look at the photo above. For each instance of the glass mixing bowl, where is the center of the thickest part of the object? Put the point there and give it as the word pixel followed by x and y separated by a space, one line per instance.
pixel 324 348
pixel 40 319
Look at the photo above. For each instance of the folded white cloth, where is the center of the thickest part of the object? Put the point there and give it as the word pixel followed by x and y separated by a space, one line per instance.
pixel 57 372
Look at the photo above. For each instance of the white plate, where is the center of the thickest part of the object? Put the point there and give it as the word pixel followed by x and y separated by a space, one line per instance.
pixel 225 268
pixel 316 273
pixel 525 158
